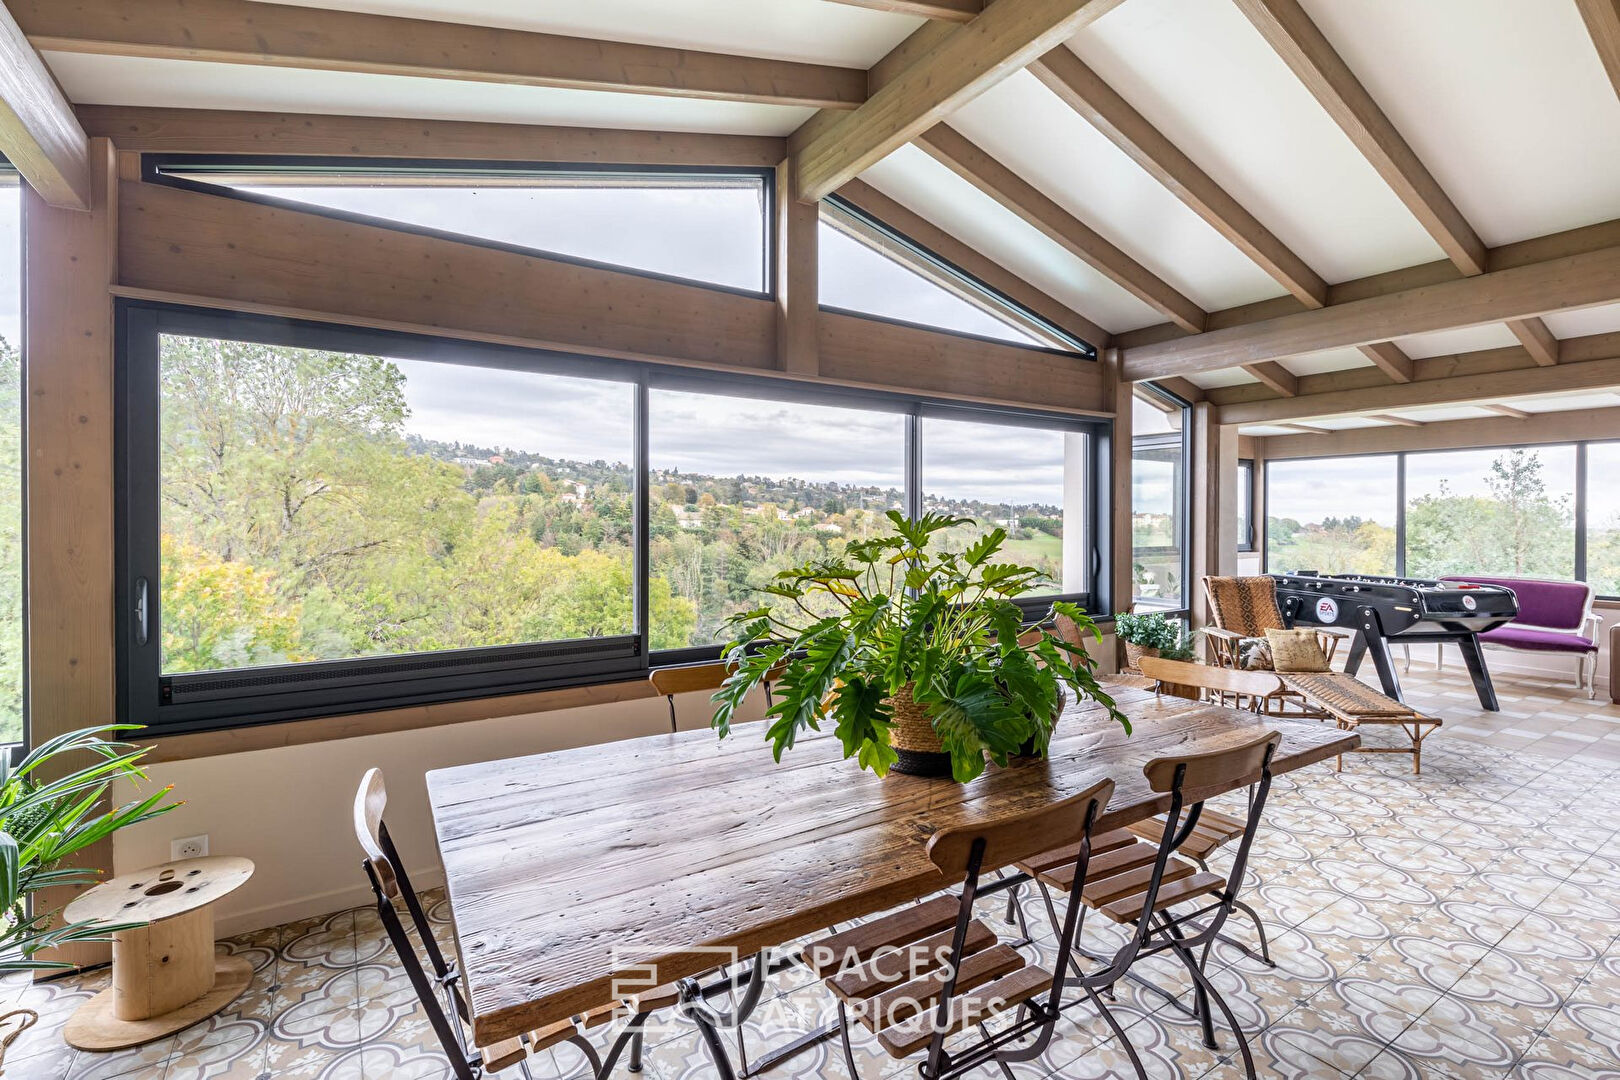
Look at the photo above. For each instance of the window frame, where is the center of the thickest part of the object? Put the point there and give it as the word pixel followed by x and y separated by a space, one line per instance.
pixel 238 697
pixel 1246 544
pixel 163 169
pixel 932 266
pixel 1581 482
pixel 1183 441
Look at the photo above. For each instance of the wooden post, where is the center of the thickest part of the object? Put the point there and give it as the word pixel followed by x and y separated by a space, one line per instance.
pixel 797 272
pixel 1119 396
pixel 69 263
pixel 1214 510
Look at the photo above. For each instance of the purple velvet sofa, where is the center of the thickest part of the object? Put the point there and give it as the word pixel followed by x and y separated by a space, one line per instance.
pixel 1554 617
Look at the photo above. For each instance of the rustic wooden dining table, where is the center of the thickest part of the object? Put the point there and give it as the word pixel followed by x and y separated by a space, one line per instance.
pixel 571 870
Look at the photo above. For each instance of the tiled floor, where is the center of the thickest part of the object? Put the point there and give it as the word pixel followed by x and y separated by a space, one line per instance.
pixel 1457 925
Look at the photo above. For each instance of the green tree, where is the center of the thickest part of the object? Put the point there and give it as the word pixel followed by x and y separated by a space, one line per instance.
pixel 11 545
pixel 1517 529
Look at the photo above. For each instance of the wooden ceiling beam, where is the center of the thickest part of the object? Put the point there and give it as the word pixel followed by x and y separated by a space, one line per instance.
pixel 1276 376
pixel 970 260
pixel 1388 358
pixel 960 66
pixel 1576 281
pixel 957 11
pixel 954 150
pixel 1084 91
pixel 38 131
pixel 1591 363
pixel 1303 47
pixel 1305 429
pixel 1537 340
pixel 280 35
pixel 1504 410
pixel 1602 18
pixel 222 131
pixel 1398 421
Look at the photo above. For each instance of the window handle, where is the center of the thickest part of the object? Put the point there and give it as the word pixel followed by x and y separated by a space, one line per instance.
pixel 140 611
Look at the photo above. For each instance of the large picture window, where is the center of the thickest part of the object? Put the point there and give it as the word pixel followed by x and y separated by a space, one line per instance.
pixel 320 519
pixel 1332 515
pixel 11 458
pixel 1516 511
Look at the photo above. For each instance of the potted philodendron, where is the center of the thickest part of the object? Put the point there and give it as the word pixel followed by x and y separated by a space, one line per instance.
pixel 912 652
pixel 1146 634
pixel 51 807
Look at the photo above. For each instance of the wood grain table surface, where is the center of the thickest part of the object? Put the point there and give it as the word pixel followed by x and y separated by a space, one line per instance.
pixel 568 870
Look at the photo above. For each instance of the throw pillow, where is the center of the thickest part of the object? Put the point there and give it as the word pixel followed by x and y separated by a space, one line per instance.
pixel 1296 650
pixel 1254 654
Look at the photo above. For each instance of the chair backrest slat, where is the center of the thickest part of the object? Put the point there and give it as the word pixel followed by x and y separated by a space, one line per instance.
pixel 369 803
pixel 1213 771
pixel 1013 839
pixel 1255 684
pixel 688 678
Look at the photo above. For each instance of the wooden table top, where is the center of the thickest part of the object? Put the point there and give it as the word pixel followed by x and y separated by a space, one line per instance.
pixel 671 844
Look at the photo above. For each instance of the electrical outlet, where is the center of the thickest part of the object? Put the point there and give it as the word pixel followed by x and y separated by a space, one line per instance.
pixel 188 847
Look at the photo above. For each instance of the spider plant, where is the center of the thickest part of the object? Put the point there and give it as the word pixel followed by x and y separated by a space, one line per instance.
pixel 44 822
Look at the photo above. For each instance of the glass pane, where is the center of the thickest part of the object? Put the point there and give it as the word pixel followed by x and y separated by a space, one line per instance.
pixel 865 270
pixel 1603 518
pixel 11 539
pixel 708 229
pixel 1331 515
pixel 1153 415
pixel 742 488
pixel 1491 512
pixel 1158 521
pixel 1033 482
pixel 321 506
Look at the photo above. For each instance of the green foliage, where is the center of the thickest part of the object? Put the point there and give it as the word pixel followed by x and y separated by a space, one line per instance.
pixel 843 636
pixel 43 822
pixel 1518 530
pixel 1150 630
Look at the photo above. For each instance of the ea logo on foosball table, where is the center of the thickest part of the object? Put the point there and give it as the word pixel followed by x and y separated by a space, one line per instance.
pixel 1470 603
pixel 1327 610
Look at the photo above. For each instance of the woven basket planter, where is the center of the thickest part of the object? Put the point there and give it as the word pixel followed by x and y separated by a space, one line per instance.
pixel 920 753
pixel 1134 654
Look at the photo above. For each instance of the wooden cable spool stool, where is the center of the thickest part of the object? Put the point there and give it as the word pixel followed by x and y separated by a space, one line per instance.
pixel 165 975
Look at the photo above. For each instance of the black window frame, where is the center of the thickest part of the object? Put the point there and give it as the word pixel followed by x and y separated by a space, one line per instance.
pixel 1580 482
pixel 165 169
pixel 1069 344
pixel 248 696
pixel 1246 480
pixel 1183 441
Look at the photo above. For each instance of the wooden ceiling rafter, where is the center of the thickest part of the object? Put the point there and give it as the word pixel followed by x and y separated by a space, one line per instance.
pixel 1602 18
pixel 283 35
pixel 957 67
pixel 969 161
pixel 38 132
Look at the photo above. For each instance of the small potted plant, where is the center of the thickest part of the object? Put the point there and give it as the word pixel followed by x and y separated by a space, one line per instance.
pixel 45 821
pixel 912 652
pixel 1146 634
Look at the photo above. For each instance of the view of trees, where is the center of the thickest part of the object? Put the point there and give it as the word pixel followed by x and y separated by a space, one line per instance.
pixel 1517 526
pixel 11 544
pixel 303 520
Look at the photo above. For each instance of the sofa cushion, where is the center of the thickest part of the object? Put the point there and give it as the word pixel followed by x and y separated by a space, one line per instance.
pixel 1558 605
pixel 1526 637
pixel 1296 650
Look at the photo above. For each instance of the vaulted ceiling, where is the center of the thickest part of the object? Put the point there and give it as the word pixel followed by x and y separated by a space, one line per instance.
pixel 1172 166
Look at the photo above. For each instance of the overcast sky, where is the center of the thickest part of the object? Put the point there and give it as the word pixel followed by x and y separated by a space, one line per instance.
pixel 10 265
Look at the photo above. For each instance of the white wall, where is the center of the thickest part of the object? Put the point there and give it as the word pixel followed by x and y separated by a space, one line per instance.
pixel 289 809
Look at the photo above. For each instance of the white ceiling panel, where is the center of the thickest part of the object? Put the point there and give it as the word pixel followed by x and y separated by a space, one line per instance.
pixel 1505 101
pixel 1209 380
pixel 911 177
pixel 1433 413
pixel 124 80
pixel 1347 423
pixel 1265 430
pixel 1201 73
pixel 1593 320
pixel 1591 399
pixel 1319 363
pixel 1446 342
pixel 1030 130
pixel 810 30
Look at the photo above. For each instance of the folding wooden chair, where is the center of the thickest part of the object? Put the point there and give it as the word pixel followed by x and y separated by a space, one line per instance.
pixel 688 678
pixel 1135 883
pixel 439 990
pixel 925 973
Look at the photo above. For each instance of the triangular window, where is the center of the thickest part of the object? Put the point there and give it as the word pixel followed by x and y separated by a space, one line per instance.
pixel 869 269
